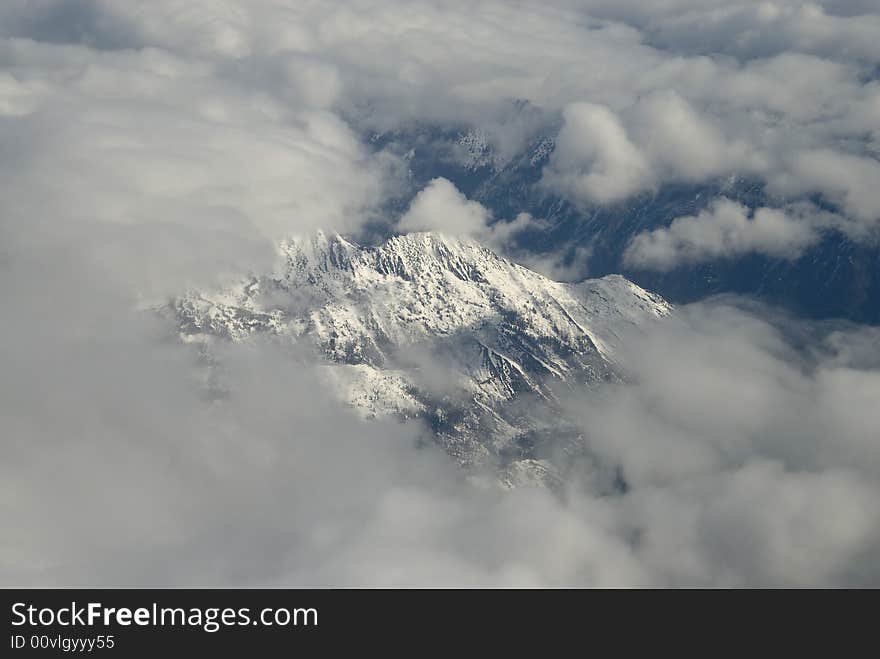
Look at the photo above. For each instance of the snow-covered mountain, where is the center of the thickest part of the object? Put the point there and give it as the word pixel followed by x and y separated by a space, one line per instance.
pixel 440 328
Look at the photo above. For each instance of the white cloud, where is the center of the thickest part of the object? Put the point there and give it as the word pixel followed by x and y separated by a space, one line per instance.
pixel 194 174
pixel 851 181
pixel 683 145
pixel 594 159
pixel 748 29
pixel 738 471
pixel 696 89
pixel 602 157
pixel 758 524
pixel 441 207
pixel 726 230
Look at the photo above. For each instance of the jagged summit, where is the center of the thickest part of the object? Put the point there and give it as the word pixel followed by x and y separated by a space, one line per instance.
pixel 406 255
pixel 434 326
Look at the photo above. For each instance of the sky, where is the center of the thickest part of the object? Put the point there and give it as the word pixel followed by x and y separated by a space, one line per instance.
pixel 150 149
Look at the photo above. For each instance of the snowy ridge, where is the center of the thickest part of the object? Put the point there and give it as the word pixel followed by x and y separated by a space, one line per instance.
pixel 477 152
pixel 436 327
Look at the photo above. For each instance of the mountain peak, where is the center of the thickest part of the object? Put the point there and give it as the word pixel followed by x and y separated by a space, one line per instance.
pixel 386 317
pixel 433 240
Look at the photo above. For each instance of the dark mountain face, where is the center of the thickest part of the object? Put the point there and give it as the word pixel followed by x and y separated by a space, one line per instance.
pixel 836 278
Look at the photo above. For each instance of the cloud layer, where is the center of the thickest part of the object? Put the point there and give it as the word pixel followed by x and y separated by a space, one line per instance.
pixel 784 91
pixel 748 447
pixel 132 461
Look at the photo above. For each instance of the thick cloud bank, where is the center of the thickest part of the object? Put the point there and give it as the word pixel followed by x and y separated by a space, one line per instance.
pixel 747 448
pixel 151 148
pixel 750 447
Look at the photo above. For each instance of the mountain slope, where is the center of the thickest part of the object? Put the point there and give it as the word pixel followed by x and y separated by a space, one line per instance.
pixel 440 328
